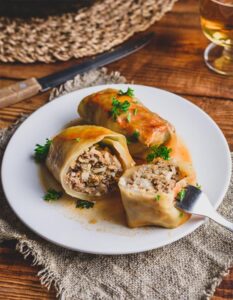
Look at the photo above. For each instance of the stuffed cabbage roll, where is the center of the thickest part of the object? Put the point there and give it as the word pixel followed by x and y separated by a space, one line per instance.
pixel 88 160
pixel 149 193
pixel 125 114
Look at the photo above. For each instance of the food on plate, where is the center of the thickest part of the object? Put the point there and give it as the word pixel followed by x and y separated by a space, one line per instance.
pixel 88 160
pixel 52 195
pixel 122 112
pixel 149 192
pixel 41 151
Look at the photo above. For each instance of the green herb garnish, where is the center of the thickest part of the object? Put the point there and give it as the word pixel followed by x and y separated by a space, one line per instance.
pixel 157 197
pixel 129 92
pixel 135 111
pixel 181 214
pixel 158 151
pixel 198 186
pixel 118 107
pixel 41 151
pixel 181 195
pixel 52 195
pixel 128 141
pixel 133 138
pixel 84 204
pixel 128 117
pixel 77 140
pixel 135 135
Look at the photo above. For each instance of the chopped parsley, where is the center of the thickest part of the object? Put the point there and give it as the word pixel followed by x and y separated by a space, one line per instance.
pixel 128 140
pixel 135 111
pixel 198 186
pixel 128 117
pixel 181 214
pixel 52 195
pixel 118 107
pixel 181 195
pixel 135 135
pixel 41 151
pixel 77 140
pixel 84 204
pixel 129 92
pixel 133 138
pixel 158 151
pixel 157 197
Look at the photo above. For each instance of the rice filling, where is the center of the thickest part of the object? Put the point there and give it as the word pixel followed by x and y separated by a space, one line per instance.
pixel 153 178
pixel 95 172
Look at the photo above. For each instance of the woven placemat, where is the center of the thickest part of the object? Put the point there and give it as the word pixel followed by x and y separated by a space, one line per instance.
pixel 88 31
pixel 190 268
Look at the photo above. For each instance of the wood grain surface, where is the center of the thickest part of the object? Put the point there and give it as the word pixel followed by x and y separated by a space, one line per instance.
pixel 173 61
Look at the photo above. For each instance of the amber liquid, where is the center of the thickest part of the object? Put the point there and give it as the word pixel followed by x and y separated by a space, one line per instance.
pixel 217 21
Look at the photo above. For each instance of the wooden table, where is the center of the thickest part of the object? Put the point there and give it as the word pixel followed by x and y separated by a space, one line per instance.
pixel 173 61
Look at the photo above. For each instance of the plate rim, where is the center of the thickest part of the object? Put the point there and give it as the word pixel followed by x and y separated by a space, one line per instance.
pixel 140 249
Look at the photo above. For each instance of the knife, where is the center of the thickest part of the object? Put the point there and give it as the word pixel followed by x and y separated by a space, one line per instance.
pixel 30 87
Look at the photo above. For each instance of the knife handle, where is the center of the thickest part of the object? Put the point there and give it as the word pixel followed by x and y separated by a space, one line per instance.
pixel 19 91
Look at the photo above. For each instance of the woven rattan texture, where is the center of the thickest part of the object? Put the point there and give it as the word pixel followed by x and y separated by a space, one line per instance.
pixel 89 31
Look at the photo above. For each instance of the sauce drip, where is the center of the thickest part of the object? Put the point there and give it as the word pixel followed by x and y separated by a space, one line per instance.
pixel 179 149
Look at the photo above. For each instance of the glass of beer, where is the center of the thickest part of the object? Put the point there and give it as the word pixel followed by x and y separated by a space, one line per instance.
pixel 217 25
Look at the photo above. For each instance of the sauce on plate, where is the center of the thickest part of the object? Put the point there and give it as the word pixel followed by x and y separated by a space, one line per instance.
pixel 111 208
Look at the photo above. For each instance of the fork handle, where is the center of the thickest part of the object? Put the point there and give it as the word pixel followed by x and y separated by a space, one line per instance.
pixel 220 220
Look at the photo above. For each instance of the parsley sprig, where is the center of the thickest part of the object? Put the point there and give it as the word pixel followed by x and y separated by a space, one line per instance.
pixel 84 204
pixel 159 151
pixel 128 117
pixel 181 195
pixel 41 151
pixel 133 138
pixel 128 141
pixel 118 107
pixel 52 195
pixel 157 197
pixel 198 186
pixel 129 92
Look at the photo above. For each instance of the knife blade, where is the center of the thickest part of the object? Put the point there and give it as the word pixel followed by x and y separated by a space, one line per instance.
pixel 30 87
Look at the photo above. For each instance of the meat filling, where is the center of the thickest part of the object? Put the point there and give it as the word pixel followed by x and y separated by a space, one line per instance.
pixel 95 172
pixel 159 177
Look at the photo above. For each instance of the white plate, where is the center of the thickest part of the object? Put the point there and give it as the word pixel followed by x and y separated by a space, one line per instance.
pixel 209 150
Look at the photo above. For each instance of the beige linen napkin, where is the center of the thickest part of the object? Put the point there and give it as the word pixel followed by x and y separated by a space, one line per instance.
pixel 190 268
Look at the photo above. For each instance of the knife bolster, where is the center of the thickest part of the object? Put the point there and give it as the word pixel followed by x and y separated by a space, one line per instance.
pixel 19 91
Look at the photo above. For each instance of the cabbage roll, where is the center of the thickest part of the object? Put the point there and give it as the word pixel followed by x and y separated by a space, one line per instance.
pixel 88 160
pixel 149 193
pixel 125 114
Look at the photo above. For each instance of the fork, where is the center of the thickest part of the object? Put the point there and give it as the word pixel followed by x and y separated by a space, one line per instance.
pixel 196 202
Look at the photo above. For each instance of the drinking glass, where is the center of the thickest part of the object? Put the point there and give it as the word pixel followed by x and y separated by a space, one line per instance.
pixel 217 25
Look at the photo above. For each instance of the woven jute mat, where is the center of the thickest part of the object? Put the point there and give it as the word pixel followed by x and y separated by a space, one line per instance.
pixel 88 31
pixel 190 268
